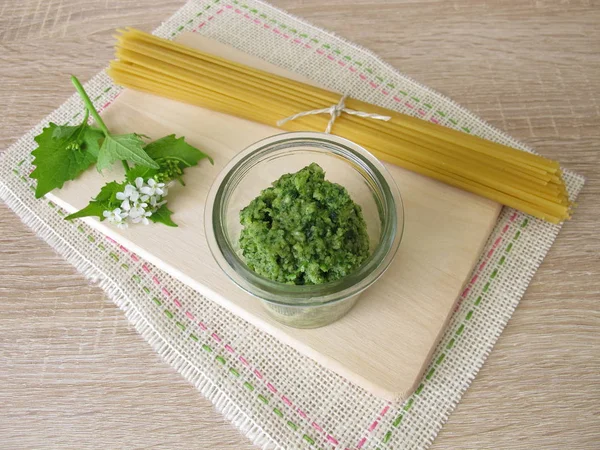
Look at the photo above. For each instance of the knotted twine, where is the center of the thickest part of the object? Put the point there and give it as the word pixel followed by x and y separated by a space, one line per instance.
pixel 335 111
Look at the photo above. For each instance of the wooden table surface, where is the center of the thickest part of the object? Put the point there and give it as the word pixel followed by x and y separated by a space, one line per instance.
pixel 78 376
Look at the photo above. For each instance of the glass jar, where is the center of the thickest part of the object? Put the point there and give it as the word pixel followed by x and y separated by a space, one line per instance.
pixel 344 162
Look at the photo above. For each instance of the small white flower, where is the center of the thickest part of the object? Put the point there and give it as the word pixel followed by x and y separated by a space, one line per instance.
pixel 138 202
pixel 136 212
pixel 153 188
pixel 142 218
pixel 139 183
pixel 130 193
pixel 116 216
pixel 127 206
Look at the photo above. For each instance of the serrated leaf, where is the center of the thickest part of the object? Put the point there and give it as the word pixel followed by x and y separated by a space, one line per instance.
pixel 128 147
pixel 58 160
pixel 108 193
pixel 92 209
pixel 140 171
pixel 177 149
pixel 105 201
pixel 91 141
pixel 64 131
pixel 163 215
pixel 85 135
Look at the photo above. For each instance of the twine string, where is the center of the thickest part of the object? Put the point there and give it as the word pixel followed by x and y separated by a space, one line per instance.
pixel 334 111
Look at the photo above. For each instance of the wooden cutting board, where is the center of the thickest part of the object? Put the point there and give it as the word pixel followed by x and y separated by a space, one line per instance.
pixel 386 341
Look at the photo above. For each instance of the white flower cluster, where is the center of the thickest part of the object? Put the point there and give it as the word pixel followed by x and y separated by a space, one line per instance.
pixel 139 202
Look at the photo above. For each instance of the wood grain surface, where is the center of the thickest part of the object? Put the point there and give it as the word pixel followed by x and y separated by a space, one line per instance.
pixel 69 361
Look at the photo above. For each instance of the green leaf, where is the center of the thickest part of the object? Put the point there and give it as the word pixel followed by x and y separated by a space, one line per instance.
pixel 140 171
pixel 92 209
pixel 170 147
pixel 163 215
pixel 61 159
pixel 173 156
pixel 89 139
pixel 108 194
pixel 64 152
pixel 128 147
pixel 106 200
pixel 85 136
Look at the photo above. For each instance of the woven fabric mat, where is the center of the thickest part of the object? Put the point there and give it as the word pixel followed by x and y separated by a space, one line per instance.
pixel 277 397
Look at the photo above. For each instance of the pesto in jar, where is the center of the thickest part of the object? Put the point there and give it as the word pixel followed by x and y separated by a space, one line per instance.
pixel 303 230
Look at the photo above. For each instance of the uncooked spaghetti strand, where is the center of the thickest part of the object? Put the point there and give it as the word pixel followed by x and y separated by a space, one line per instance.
pixel 328 98
pixel 150 64
pixel 483 171
pixel 315 91
pixel 482 179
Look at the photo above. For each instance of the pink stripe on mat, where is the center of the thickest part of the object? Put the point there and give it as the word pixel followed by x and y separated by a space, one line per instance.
pixel 332 439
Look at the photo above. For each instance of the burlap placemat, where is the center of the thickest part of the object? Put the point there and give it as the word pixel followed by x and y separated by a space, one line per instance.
pixel 277 397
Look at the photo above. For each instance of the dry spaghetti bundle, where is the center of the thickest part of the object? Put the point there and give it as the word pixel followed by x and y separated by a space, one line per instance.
pixel 514 178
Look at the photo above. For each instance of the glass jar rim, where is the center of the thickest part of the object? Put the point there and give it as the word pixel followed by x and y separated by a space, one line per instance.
pixel 304 295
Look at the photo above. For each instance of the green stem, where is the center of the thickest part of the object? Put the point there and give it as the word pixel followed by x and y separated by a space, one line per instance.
pixel 89 105
pixel 126 166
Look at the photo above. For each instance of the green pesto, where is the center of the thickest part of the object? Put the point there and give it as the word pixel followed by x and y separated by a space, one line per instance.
pixel 303 230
